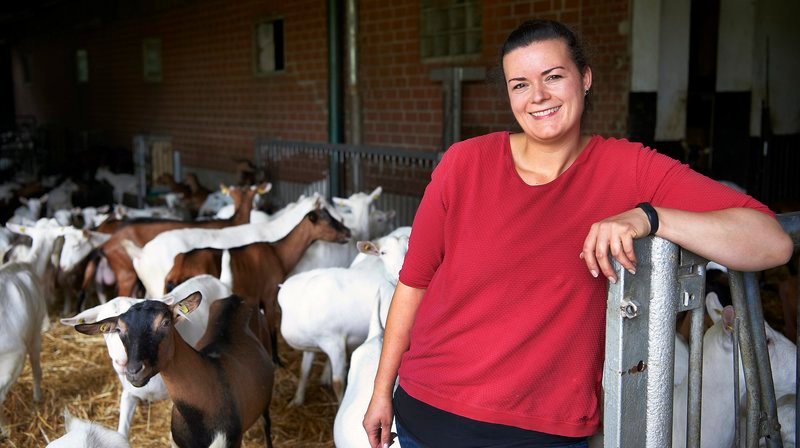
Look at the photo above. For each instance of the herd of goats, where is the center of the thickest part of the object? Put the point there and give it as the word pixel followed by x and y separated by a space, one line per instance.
pixel 200 290
pixel 220 278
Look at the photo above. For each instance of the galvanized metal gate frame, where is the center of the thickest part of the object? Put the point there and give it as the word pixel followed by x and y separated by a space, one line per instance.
pixel 640 346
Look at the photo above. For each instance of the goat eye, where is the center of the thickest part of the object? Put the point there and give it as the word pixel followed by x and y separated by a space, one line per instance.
pixel 165 323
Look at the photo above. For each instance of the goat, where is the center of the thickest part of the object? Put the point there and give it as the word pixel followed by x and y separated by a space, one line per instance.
pixel 121 183
pixel 141 232
pixel 154 261
pixel 329 309
pixel 220 389
pixel 191 332
pixel 258 268
pixel 60 198
pixel 86 434
pixel 355 211
pixel 22 313
pixel 347 426
pixel 718 412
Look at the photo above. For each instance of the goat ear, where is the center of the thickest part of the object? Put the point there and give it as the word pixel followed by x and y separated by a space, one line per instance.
pixel 713 306
pixel 186 306
pixel 368 247
pixel 224 189
pixel 728 316
pixel 376 193
pixel 264 188
pixel 104 326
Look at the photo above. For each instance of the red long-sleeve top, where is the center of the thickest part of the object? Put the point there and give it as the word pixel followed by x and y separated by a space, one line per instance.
pixel 511 328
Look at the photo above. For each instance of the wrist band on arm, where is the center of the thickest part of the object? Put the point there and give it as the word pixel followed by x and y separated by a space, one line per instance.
pixel 652 216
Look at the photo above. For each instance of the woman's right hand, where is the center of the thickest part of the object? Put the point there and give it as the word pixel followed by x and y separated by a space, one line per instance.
pixel 378 420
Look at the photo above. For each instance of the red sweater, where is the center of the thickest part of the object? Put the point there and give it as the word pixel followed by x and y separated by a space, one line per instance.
pixel 511 328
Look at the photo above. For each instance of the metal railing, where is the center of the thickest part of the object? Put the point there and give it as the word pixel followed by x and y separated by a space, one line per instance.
pixel 296 168
pixel 640 347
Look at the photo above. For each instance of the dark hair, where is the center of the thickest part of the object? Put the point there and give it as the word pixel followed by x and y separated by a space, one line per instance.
pixel 541 30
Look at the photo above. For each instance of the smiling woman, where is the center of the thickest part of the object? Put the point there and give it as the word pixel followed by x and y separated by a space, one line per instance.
pixel 533 277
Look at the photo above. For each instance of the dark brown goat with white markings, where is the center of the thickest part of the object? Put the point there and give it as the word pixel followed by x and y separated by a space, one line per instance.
pixel 219 390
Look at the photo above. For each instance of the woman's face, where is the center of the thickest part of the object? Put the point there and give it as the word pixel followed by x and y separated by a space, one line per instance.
pixel 546 90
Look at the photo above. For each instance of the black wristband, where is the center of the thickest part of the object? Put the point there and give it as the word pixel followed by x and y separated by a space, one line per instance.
pixel 652 216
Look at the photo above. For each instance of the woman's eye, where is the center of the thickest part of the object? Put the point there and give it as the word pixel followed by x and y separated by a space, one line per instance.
pixel 517 86
pixel 553 77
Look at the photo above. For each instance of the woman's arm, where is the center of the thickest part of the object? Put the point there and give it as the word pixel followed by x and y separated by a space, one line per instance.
pixel 379 415
pixel 742 239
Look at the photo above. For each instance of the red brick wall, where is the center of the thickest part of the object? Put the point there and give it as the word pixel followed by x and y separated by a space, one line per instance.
pixel 214 108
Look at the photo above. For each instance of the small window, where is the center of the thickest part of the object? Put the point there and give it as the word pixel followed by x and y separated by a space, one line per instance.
pixel 268 46
pixel 151 59
pixel 82 66
pixel 450 28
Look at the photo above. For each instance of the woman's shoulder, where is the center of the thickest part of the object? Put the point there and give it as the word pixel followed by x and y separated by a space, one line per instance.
pixel 616 144
pixel 467 151
pixel 483 142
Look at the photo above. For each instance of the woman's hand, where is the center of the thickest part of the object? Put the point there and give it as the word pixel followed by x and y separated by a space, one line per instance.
pixel 378 420
pixel 614 235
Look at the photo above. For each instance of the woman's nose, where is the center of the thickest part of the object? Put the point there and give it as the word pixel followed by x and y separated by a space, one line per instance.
pixel 539 92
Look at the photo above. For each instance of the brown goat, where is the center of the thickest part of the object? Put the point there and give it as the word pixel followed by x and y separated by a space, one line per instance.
pixel 259 268
pixel 218 390
pixel 142 231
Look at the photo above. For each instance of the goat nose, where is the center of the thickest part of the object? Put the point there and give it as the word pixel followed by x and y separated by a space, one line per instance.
pixel 135 368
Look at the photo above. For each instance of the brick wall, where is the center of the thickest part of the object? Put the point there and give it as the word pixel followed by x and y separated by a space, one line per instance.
pixel 214 108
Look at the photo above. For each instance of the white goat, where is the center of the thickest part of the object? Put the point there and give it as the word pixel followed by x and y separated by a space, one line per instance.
pixel 347 428
pixel 31 210
pixel 191 331
pixel 329 309
pixel 121 182
pixel 355 210
pixel 154 261
pixel 60 197
pixel 22 312
pixel 85 434
pixel 718 412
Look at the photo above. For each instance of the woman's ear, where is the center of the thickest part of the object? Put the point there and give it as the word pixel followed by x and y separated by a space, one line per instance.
pixel 587 78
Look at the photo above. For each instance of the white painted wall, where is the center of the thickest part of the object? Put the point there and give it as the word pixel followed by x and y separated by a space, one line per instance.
pixel 646 26
pixel 737 23
pixel 673 69
pixel 777 19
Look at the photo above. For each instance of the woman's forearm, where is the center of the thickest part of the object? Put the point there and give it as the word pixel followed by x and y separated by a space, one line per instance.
pixel 739 238
pixel 405 302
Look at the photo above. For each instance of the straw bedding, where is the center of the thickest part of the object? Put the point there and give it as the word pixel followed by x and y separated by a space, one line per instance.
pixel 77 374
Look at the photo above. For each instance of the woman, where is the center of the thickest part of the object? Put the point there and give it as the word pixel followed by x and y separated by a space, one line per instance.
pixel 496 327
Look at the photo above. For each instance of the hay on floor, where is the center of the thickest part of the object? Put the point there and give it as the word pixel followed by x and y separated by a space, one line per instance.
pixel 77 374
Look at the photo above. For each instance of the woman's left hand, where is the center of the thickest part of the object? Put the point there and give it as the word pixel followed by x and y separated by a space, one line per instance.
pixel 614 236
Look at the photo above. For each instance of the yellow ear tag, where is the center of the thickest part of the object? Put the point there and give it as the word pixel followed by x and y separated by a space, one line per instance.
pixel 81 321
pixel 22 230
pixel 184 309
pixel 103 328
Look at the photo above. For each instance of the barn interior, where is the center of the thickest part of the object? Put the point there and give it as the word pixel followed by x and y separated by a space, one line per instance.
pixel 338 98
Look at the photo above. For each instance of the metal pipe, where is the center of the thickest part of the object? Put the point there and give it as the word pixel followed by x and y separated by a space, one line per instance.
pixel 695 393
pixel 737 433
pixel 353 89
pixel 770 426
pixel 748 359
pixel 335 99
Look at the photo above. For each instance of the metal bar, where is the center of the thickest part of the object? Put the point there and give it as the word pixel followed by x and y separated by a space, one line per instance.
pixel 695 393
pixel 361 149
pixel 769 416
pixel 749 362
pixel 737 435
